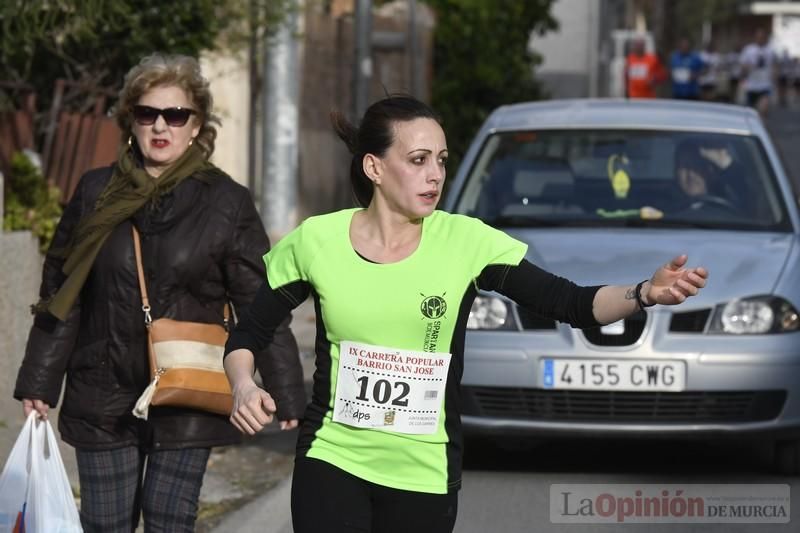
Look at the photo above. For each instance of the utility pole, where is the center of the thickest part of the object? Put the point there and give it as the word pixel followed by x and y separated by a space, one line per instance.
pixel 280 128
pixel 415 59
pixel 594 49
pixel 362 66
pixel 255 88
pixel 368 41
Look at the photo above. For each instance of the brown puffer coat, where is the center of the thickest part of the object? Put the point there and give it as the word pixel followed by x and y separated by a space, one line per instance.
pixel 202 244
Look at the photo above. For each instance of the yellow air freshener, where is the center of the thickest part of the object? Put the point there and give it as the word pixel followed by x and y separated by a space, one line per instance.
pixel 620 181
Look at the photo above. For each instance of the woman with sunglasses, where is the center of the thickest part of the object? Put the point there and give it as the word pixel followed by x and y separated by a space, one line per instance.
pixel 202 242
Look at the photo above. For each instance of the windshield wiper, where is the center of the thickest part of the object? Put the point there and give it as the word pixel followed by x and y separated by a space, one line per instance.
pixel 662 223
pixel 526 221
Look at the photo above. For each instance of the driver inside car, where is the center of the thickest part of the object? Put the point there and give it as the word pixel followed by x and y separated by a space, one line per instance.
pixel 700 175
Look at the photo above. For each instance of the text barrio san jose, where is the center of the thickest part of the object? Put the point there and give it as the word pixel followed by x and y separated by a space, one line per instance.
pixel 396 362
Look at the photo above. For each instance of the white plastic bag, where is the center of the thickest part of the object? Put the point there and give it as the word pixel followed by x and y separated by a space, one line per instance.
pixel 34 484
pixel 14 481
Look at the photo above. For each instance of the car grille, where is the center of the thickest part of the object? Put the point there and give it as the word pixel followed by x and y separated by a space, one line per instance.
pixel 610 406
pixel 634 325
pixel 689 322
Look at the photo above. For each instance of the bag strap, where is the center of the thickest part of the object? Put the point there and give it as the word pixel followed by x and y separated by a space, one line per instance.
pixel 137 249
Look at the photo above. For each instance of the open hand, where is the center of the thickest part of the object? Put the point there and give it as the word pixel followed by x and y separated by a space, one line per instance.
pixel 674 282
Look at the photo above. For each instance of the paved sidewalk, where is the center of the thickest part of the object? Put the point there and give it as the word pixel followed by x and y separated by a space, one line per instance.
pixel 268 514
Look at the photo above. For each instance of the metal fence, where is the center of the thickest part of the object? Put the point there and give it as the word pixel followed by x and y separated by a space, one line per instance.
pixel 71 142
pixel 16 126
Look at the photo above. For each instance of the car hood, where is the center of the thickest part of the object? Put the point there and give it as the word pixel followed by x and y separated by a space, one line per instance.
pixel 740 264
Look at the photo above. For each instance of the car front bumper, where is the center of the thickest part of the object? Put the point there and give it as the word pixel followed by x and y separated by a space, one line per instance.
pixel 735 386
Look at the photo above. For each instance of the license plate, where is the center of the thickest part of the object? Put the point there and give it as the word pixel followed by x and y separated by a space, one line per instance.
pixel 616 374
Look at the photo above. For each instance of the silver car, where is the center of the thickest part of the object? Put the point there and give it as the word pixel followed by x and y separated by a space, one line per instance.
pixel 604 191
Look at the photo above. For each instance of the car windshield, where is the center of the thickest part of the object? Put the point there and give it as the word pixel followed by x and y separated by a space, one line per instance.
pixel 624 177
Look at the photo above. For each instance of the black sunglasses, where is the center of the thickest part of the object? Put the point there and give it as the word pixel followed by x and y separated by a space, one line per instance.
pixel 173 116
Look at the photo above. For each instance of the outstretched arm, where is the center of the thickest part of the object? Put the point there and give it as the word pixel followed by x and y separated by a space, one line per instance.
pixel 671 284
pixel 582 307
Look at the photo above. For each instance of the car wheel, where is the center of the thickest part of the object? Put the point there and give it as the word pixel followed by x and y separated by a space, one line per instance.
pixel 787 457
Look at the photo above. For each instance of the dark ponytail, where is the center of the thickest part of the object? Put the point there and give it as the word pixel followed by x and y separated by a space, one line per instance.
pixel 347 132
pixel 375 134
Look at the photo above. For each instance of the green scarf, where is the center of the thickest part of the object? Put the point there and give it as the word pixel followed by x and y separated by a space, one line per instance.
pixel 129 189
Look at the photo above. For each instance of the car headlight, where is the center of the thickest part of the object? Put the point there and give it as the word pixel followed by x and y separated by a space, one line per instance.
pixel 759 314
pixel 490 312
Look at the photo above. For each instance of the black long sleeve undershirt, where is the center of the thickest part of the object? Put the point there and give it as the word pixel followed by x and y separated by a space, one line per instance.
pixel 531 287
pixel 269 309
pixel 542 293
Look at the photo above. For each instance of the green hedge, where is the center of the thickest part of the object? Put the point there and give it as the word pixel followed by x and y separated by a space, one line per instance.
pixel 30 202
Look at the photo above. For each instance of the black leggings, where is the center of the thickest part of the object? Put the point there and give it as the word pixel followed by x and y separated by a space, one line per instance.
pixel 326 498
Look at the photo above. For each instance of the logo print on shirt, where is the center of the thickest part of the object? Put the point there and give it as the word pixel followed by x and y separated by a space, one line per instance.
pixel 433 306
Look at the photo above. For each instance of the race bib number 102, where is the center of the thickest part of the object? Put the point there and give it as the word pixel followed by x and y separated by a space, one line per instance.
pixel 389 388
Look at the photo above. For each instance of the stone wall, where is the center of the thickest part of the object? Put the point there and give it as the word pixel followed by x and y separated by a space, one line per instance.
pixel 20 274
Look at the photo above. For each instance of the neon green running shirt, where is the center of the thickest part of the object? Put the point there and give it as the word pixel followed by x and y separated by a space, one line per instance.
pixel 419 304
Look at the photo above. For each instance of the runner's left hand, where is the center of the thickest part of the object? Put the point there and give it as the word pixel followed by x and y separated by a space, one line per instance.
pixel 674 282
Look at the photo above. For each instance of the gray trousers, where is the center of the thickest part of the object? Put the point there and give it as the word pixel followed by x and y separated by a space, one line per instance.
pixel 119 485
